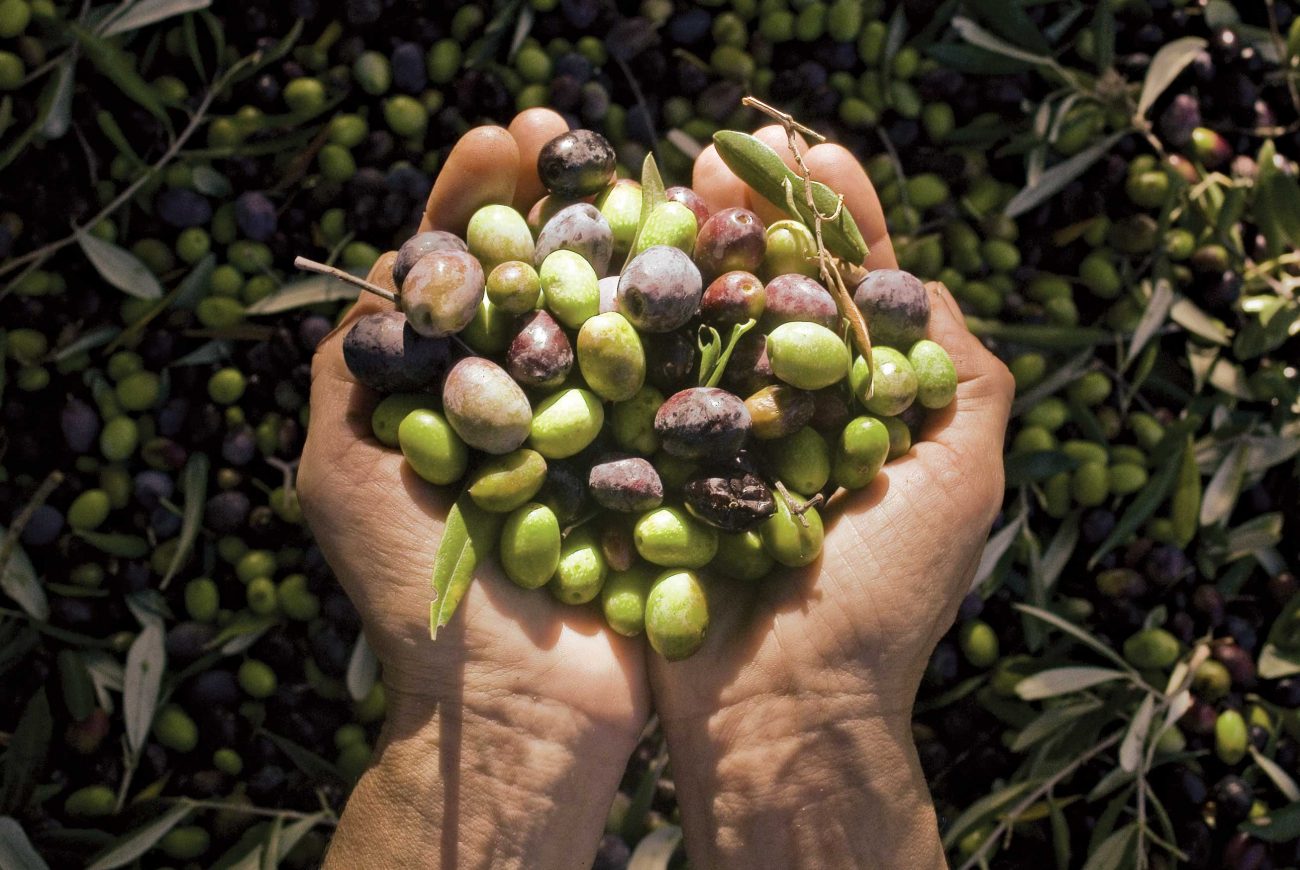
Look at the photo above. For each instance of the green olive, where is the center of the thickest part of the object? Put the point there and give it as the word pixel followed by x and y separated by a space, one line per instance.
pixel 392 410
pixel 741 556
pixel 611 357
pixel 801 461
pixel 504 483
pixel 790 542
pixel 632 422
pixel 582 568
pixel 936 376
pixel 623 598
pixel 892 384
pixel 672 538
pixel 807 355
pixel 431 447
pixel 676 615
pixel 1152 649
pixel 566 422
pixel 530 545
pixel 861 451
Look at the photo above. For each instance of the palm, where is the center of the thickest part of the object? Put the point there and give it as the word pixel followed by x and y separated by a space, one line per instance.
pixel 898 555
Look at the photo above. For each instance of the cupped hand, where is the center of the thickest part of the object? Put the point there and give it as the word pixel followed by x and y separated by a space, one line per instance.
pixel 509 653
pixel 846 640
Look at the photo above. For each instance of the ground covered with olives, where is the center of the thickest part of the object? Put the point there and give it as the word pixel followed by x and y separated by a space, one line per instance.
pixel 1108 189
pixel 526 366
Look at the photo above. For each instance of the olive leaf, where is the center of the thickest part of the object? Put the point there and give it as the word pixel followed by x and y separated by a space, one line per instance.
pixel 1057 177
pixel 135 843
pixel 714 356
pixel 78 688
pixel 58 118
pixel 146 12
pixel 468 540
pixel 987 809
pixel 1061 681
pixel 1051 721
pixel 761 168
pixel 146 661
pixel 1275 826
pixel 28 747
pixel 119 267
pixel 1026 468
pixel 1010 21
pixel 1142 506
pixel 652 196
pixel 304 759
pixel 301 293
pixel 1160 299
pixel 1116 850
pixel 1185 507
pixel 19 580
pixel 1280 778
pixel 119 69
pixel 1168 62
pixel 16 851
pixel 1083 636
pixel 87 341
pixel 194 483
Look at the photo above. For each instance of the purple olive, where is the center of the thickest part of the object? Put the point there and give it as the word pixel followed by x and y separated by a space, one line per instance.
pixel 577 163
pixel 896 307
pixel 691 200
pixel 580 228
pixel 627 484
pixel 442 292
pixel 660 290
pixel 733 239
pixel 702 422
pixel 414 248
pixel 797 297
pixel 670 360
pixel 749 369
pixel 540 354
pixel 383 352
pixel 488 410
pixel 733 298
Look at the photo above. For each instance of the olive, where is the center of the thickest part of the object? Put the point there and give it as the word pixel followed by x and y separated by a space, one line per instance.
pixel 670 537
pixel 565 423
pixel 581 571
pixel 676 615
pixel 610 357
pixel 571 288
pixel 807 355
pixel 779 410
pixel 530 545
pixel 577 163
pixel 540 354
pixel 392 410
pixel 660 289
pixel 623 598
pixel 793 297
pixel 485 406
pixel 802 460
pixel 936 376
pixel 620 204
pixel 702 421
pixel 732 239
pixel 733 298
pixel 670 224
pixel 414 248
pixel 505 483
pixel 386 354
pixel 632 422
pixel 892 384
pixel 580 228
pixel 497 234
pixel 741 556
pixel 627 484
pixel 734 500
pixel 896 307
pixel 788 540
pixel 514 287
pixel 861 451
pixel 431 447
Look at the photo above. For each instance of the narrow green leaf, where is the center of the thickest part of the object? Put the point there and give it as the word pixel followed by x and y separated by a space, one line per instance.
pixel 997 547
pixel 58 118
pixel 18 580
pixel 304 759
pixel 87 341
pixel 1010 21
pixel 1167 64
pixel 1050 722
pixel 1276 826
pixel 1057 177
pixel 135 843
pixel 1078 633
pixel 1061 377
pixel 141 680
pixel 306 291
pixel 1130 750
pixel 117 67
pixel 1026 468
pixel 16 851
pixel 978 36
pixel 1115 851
pixel 1190 317
pixel 468 540
pixel 118 544
pixel 1221 492
pixel 1039 335
pixel 652 196
pixel 738 331
pixel 194 483
pixel 1060 835
pixel 1279 777
pixel 120 267
pixel 1185 507
pixel 146 12
pixel 241 632
pixel 78 689
pixel 986 809
pixel 1159 301
pixel 1059 551
pixel 24 759
pixel 1061 681
pixel 207 353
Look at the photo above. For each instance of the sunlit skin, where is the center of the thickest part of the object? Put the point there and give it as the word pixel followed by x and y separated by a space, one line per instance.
pixel 789 730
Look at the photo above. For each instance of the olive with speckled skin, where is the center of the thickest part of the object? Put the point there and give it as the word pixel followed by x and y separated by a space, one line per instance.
pixel 893 382
pixel 895 305
pixel 734 239
pixel 540 355
pixel 628 484
pixel 611 357
pixel 414 248
pixel 514 287
pixel 701 422
pixel 442 292
pixel 660 290
pixel 580 228
pixel 383 352
pixel 577 163
pixel 488 410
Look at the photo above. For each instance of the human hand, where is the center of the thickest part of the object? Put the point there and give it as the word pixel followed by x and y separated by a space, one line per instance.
pixel 789 731
pixel 522 714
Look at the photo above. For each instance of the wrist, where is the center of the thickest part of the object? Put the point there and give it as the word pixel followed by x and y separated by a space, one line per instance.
pixel 469 786
pixel 805 780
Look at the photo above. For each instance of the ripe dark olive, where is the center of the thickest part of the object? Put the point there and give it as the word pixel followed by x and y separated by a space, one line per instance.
pixel 702 422
pixel 383 352
pixel 576 164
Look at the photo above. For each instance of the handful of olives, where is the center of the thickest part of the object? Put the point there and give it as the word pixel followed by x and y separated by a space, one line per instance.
pixel 639 429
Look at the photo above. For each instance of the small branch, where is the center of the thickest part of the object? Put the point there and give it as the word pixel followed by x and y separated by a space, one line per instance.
pixel 335 272
pixel 253 811
pixel 798 508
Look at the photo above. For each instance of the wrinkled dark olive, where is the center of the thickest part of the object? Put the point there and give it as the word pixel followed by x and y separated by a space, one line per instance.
pixel 734 502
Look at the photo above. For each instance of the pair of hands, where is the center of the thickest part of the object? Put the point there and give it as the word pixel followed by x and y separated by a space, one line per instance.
pixel 789 732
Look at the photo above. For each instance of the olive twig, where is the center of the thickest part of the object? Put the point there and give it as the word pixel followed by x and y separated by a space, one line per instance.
pixel 51 482
pixel 335 272
pixel 797 507
pixel 826 263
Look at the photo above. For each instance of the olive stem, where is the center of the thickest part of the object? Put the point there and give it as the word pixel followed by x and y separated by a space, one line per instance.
pixel 798 508
pixel 335 272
